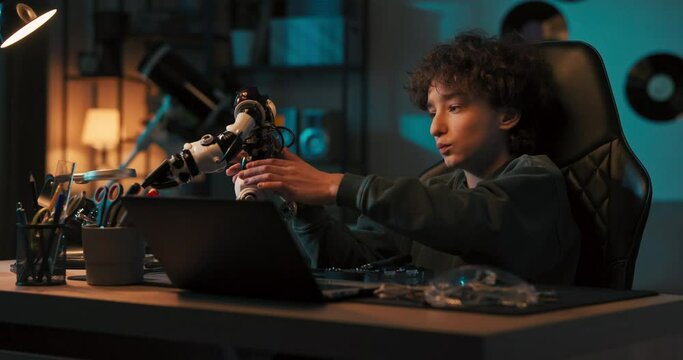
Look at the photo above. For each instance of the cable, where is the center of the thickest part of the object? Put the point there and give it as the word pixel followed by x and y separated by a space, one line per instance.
pixel 282 137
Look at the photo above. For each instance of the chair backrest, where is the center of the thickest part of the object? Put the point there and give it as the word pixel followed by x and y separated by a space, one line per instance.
pixel 609 189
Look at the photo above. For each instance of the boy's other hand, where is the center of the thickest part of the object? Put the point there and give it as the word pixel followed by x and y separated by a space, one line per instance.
pixel 292 178
pixel 233 170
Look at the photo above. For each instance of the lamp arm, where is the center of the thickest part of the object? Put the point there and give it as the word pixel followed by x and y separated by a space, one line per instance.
pixel 219 112
pixel 142 141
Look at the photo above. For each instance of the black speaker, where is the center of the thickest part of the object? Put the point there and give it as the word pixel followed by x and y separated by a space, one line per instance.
pixel 320 135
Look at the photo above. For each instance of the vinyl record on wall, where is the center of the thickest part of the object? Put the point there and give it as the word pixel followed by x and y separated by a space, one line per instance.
pixel 654 87
pixel 535 21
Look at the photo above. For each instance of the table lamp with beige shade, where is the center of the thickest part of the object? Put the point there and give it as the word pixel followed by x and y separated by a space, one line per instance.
pixel 101 131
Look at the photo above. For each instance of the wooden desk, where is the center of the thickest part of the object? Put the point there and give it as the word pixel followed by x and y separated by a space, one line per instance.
pixel 346 329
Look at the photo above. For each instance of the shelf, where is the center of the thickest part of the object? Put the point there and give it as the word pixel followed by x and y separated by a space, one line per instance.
pixel 265 69
pixel 189 38
pixel 74 77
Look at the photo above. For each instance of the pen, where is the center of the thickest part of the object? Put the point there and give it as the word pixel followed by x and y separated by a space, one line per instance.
pixel 34 192
pixel 134 189
pixel 59 208
pixel 122 218
pixel 52 248
pixel 21 214
pixel 121 213
pixel 152 192
pixel 28 265
pixel 114 213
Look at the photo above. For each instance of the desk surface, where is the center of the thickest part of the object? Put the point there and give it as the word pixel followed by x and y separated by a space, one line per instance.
pixel 335 329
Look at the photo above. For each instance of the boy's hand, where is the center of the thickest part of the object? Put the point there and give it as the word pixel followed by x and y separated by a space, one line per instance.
pixel 292 178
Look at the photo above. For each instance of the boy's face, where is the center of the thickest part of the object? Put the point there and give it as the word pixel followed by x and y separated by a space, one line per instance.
pixel 468 132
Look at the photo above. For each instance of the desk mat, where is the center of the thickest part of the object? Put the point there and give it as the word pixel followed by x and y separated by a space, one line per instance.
pixel 567 297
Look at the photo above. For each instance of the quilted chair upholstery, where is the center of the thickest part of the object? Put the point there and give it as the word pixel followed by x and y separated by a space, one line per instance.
pixel 608 188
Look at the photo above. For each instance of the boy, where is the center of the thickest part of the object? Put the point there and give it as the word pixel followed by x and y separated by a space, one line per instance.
pixel 500 206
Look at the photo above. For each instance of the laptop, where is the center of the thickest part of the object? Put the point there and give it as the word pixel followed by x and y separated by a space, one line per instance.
pixel 240 248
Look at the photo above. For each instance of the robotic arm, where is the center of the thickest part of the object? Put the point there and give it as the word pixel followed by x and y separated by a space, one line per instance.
pixel 253 131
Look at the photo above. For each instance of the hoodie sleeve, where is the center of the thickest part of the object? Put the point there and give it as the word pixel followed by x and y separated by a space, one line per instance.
pixel 514 219
pixel 330 243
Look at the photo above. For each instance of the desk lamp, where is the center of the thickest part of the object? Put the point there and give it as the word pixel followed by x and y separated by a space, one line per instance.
pixel 177 78
pixel 181 80
pixel 101 130
pixel 17 20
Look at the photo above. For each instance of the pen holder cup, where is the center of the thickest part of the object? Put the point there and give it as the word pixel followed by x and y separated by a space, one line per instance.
pixel 41 255
pixel 113 255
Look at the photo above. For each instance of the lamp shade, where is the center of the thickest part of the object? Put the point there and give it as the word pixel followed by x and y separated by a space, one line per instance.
pixel 17 20
pixel 101 128
pixel 177 77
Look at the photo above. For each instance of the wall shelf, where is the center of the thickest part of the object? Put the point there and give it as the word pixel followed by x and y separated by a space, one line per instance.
pixel 75 77
pixel 339 89
pixel 285 70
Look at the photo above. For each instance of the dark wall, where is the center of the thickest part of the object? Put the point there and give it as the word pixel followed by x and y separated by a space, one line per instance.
pixel 23 79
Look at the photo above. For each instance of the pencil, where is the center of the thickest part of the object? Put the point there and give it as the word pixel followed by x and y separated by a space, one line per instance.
pixel 34 192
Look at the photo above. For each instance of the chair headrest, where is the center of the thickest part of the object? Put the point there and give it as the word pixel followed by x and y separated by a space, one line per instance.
pixel 587 115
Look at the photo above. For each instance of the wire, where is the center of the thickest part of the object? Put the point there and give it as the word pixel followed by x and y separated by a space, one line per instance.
pixel 282 137
pixel 40 213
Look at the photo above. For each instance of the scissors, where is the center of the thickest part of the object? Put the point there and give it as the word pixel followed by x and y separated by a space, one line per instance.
pixel 118 213
pixel 100 200
pixel 114 205
pixel 113 198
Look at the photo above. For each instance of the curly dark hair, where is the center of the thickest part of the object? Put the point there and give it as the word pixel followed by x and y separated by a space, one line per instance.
pixel 506 72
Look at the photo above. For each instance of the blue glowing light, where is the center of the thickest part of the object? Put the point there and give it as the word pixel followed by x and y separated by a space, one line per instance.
pixel 415 128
